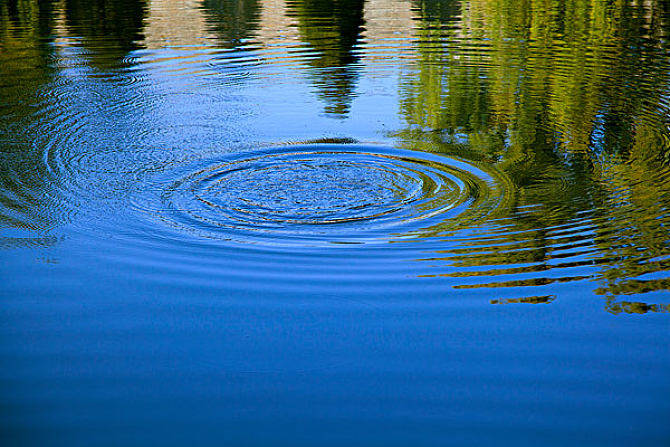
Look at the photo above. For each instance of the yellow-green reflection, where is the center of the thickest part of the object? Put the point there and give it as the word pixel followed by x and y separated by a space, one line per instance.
pixel 26 54
pixel 568 100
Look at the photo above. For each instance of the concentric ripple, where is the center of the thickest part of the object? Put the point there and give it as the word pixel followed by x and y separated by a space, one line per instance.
pixel 325 193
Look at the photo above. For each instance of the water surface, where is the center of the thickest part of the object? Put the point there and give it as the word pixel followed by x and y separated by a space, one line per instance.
pixel 346 222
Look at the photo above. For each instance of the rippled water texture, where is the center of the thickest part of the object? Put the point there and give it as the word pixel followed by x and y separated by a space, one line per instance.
pixel 334 222
pixel 324 194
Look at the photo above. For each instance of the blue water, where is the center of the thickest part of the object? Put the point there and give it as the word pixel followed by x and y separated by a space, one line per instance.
pixel 314 223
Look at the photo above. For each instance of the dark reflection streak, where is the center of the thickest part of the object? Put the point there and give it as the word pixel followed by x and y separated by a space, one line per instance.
pixel 525 269
pixel 233 21
pixel 524 282
pixel 527 300
pixel 110 28
pixel 332 28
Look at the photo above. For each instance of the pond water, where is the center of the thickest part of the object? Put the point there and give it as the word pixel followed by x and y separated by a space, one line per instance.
pixel 334 222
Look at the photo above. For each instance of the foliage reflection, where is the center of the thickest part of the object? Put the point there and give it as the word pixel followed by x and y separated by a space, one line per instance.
pixel 570 101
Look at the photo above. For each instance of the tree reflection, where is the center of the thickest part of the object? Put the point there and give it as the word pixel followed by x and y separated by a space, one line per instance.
pixel 232 20
pixel 570 101
pixel 110 28
pixel 26 68
pixel 37 100
pixel 331 28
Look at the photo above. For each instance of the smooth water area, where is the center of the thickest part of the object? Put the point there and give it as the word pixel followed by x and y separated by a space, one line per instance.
pixel 334 222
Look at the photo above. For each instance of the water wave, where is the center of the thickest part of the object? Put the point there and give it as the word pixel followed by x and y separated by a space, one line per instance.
pixel 322 194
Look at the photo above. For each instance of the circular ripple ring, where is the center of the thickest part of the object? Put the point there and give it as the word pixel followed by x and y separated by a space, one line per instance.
pixel 325 193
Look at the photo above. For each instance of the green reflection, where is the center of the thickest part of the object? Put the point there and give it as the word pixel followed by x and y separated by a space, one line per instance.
pixel 35 98
pixel 26 57
pixel 570 101
pixel 629 307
